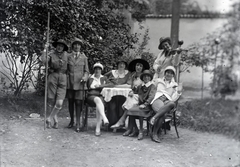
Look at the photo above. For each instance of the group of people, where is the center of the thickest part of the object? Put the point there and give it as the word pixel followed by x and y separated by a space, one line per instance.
pixel 151 94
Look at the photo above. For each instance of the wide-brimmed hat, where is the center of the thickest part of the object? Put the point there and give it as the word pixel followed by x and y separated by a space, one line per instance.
pixel 171 68
pixel 122 61
pixel 132 64
pixel 76 40
pixel 146 72
pixel 162 40
pixel 98 65
pixel 60 41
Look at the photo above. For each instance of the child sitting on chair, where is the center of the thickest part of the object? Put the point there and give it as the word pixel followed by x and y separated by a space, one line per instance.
pixel 146 92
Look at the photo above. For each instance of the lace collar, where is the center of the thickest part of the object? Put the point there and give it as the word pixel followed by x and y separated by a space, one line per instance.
pixel 117 75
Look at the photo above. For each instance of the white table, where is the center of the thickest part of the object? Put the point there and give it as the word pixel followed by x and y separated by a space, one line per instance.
pixel 108 93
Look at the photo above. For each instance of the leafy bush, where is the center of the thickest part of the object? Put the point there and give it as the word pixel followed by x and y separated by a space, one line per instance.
pixel 224 83
pixel 208 115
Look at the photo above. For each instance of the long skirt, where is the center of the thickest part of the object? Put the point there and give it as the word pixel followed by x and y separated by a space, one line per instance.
pixel 114 109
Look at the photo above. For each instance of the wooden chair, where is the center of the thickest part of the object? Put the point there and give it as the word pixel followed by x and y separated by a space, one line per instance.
pixel 85 113
pixel 168 117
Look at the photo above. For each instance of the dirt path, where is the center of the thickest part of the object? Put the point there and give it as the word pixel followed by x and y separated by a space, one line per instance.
pixel 24 143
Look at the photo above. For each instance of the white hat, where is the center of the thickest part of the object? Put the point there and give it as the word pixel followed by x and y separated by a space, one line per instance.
pixel 170 68
pixel 98 65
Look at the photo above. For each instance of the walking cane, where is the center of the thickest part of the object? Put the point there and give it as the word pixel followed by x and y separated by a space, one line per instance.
pixel 46 73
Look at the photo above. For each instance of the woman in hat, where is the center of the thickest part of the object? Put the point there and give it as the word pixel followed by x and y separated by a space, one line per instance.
pixel 118 78
pixel 95 84
pixel 146 92
pixel 77 76
pixel 163 102
pixel 166 57
pixel 57 80
pixel 136 67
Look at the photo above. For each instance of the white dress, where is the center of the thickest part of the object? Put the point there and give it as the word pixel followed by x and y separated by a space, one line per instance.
pixel 131 101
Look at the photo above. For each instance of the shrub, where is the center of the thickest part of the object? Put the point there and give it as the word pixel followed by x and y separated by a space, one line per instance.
pixel 218 116
pixel 224 82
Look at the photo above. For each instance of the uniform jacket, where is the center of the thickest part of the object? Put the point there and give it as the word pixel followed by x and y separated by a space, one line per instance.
pixel 77 69
pixel 57 62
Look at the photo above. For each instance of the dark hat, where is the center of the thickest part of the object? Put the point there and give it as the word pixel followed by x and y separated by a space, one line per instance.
pixel 162 40
pixel 77 40
pixel 146 72
pixel 132 64
pixel 122 61
pixel 60 41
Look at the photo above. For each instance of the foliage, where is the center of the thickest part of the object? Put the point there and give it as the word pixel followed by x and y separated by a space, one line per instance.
pixel 139 50
pixel 19 75
pixel 224 83
pixel 217 116
pixel 100 24
pixel 138 8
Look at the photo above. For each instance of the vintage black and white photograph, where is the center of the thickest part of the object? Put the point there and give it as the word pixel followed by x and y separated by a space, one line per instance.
pixel 119 83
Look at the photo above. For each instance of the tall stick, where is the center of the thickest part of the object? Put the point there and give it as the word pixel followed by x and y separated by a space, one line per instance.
pixel 46 73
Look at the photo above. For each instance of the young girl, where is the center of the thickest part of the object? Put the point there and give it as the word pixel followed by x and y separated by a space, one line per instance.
pixel 146 92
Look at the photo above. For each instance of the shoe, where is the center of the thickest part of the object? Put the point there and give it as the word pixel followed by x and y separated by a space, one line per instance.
pixel 155 138
pixel 140 136
pixel 48 123
pixel 127 133
pixel 152 121
pixel 133 134
pixel 106 124
pixel 70 125
pixel 55 126
pixel 97 133
pixel 117 126
pixel 78 129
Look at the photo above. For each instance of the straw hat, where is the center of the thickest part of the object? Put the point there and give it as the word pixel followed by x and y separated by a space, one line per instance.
pixel 146 72
pixel 162 40
pixel 77 40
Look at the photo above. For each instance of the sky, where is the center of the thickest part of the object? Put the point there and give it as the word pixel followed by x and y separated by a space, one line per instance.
pixel 222 6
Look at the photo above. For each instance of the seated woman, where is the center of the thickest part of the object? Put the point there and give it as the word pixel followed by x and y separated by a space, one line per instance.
pixel 136 67
pixel 164 100
pixel 146 92
pixel 95 84
pixel 117 78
